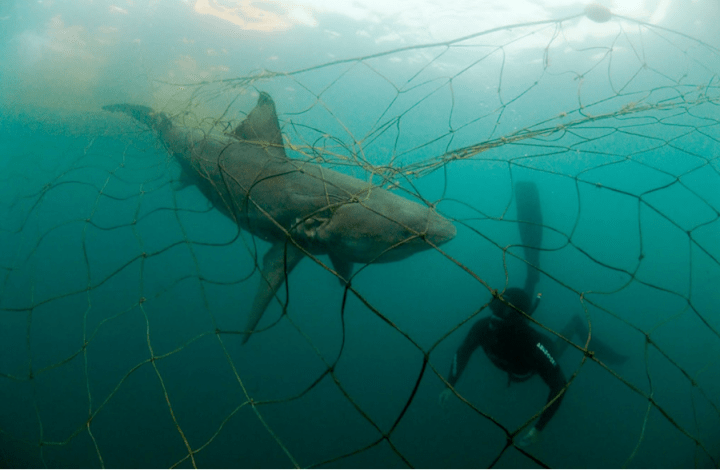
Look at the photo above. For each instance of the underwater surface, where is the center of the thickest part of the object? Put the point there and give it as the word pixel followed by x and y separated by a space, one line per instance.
pixel 126 288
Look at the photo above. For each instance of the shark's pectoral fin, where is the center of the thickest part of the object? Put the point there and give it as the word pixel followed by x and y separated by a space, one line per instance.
pixel 343 267
pixel 278 262
pixel 184 181
pixel 313 231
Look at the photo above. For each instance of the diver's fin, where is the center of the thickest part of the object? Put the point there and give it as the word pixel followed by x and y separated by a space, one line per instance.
pixel 576 327
pixel 605 353
pixel 261 125
pixel 530 223
pixel 278 262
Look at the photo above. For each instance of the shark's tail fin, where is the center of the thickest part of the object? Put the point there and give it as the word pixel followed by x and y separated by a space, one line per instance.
pixel 143 114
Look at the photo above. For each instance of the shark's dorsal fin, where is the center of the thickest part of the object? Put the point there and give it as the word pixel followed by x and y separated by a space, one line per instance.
pixel 261 125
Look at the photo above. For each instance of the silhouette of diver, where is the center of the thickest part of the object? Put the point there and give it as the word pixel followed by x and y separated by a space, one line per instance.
pixel 508 338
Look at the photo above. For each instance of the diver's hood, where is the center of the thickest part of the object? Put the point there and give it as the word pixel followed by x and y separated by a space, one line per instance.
pixel 516 297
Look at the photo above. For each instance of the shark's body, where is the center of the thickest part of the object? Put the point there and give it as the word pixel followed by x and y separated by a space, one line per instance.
pixel 297 206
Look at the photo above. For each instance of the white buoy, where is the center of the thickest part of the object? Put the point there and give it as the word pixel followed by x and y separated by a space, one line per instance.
pixel 597 13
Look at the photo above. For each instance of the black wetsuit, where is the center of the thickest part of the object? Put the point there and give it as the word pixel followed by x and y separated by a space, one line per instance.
pixel 516 348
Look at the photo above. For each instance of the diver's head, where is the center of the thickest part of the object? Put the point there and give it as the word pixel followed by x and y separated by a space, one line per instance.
pixel 515 296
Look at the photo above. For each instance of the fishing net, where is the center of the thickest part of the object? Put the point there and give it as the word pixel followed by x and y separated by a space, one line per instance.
pixel 124 297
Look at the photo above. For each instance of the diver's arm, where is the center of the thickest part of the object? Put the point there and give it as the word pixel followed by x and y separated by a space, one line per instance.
pixel 551 373
pixel 472 341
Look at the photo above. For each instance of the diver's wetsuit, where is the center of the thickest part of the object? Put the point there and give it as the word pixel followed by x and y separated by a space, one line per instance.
pixel 519 350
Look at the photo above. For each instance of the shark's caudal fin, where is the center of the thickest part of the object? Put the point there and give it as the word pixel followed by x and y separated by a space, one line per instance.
pixel 143 114
pixel 530 222
pixel 278 262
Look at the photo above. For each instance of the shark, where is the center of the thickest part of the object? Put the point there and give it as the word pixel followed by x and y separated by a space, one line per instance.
pixel 301 208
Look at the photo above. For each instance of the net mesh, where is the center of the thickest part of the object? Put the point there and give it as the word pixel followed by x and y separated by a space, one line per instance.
pixel 124 297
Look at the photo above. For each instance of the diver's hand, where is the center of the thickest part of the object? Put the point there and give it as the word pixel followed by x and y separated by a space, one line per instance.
pixel 444 397
pixel 530 438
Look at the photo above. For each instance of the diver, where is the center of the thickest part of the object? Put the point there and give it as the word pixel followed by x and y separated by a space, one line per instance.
pixel 507 337
pixel 515 347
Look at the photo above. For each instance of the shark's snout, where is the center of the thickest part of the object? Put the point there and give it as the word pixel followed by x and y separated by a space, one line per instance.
pixel 440 230
pixel 383 228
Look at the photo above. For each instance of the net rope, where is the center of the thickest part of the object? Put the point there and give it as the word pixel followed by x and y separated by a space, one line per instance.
pixel 631 157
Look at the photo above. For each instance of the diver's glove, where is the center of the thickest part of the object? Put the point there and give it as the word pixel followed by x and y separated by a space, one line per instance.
pixel 531 437
pixel 444 397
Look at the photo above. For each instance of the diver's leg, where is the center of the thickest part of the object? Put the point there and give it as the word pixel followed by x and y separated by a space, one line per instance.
pixel 572 328
pixel 530 225
pixel 605 353
pixel 576 327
